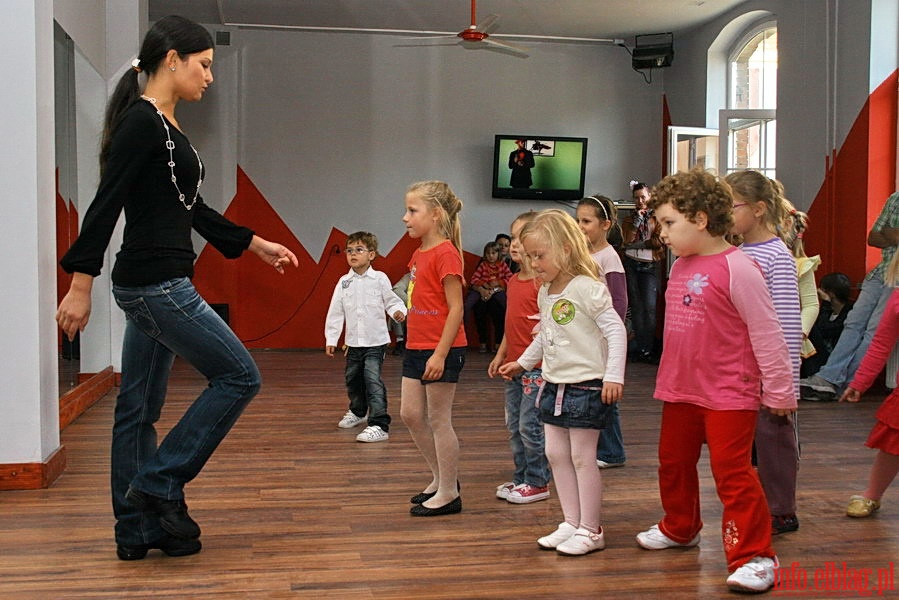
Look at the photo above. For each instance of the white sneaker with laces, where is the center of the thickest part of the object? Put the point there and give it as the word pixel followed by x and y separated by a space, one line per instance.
pixel 583 541
pixel 607 465
pixel 757 575
pixel 350 420
pixel 551 541
pixel 654 539
pixel 503 490
pixel 372 433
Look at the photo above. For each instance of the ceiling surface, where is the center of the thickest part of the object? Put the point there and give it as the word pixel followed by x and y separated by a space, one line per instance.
pixel 575 20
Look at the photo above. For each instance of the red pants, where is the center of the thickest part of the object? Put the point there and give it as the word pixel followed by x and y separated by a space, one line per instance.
pixel 746 523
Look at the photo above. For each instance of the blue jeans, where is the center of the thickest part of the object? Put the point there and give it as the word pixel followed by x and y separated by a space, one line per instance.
pixel 858 330
pixel 364 385
pixel 611 444
pixel 164 320
pixel 526 430
pixel 642 293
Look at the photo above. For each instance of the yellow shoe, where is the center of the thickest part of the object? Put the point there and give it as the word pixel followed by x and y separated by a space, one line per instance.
pixel 859 506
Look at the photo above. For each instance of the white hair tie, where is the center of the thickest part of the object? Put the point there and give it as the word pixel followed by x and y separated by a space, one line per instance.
pixel 135 64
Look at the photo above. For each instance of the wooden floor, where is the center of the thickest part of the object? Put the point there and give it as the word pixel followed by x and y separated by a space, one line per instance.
pixel 293 507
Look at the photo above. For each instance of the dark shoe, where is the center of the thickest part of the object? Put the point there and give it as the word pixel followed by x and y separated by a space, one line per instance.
pixel 171 546
pixel 172 514
pixel 425 496
pixel 451 508
pixel 784 524
pixel 422 497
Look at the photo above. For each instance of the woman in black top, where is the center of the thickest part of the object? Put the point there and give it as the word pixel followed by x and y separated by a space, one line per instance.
pixel 150 170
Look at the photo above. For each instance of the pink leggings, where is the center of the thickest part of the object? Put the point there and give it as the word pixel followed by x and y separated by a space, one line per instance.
pixel 572 456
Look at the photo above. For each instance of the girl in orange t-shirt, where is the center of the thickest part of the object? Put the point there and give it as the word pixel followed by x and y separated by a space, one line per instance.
pixel 435 341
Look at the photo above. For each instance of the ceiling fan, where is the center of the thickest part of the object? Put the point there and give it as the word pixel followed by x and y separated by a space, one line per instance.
pixel 477 35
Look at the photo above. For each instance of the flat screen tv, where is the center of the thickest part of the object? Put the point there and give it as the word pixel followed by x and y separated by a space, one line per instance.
pixel 531 167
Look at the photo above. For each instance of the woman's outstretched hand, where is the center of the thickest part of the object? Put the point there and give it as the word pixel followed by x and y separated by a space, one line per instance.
pixel 272 253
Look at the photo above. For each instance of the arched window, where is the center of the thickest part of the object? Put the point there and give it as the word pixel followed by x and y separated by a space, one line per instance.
pixel 749 124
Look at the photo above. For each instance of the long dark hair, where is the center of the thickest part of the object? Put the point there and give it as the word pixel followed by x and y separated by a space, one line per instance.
pixel 168 33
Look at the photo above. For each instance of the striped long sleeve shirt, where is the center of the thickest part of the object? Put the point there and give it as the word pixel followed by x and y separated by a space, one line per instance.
pixel 779 269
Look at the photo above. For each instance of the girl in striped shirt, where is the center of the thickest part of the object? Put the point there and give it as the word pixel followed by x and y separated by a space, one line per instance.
pixel 759 212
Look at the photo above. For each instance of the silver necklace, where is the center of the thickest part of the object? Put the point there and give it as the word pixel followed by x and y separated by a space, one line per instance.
pixel 170 145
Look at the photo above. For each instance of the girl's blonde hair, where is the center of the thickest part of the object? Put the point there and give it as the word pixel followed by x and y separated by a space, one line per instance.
pixel 524 264
pixel 891 277
pixel 439 197
pixel 568 242
pixel 781 217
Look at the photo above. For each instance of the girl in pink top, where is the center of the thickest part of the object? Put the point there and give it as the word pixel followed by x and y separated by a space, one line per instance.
pixel 723 345
pixel 885 434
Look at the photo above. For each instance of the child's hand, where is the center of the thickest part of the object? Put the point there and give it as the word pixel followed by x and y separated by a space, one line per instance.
pixel 612 392
pixel 780 412
pixel 399 317
pixel 495 364
pixel 851 395
pixel 510 370
pixel 433 368
pixel 329 350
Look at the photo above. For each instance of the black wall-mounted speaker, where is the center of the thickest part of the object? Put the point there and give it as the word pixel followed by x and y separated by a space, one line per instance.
pixel 653 51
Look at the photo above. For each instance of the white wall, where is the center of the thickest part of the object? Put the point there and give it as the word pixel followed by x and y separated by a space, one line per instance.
pixel 333 127
pixel 823 73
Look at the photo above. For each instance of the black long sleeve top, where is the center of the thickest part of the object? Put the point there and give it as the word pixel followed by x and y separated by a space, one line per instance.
pixel 156 244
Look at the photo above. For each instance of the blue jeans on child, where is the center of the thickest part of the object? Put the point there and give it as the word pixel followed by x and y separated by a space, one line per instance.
pixel 164 320
pixel 364 385
pixel 526 430
pixel 858 331
pixel 611 445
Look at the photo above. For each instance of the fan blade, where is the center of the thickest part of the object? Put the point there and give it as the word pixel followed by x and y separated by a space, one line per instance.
pixel 489 24
pixel 506 46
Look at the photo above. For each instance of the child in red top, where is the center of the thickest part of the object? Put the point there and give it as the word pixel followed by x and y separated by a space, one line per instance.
pixel 530 480
pixel 435 341
pixel 885 434
pixel 487 296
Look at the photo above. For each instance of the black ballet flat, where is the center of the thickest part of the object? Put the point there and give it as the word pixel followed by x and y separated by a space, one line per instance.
pixel 451 508
pixel 422 497
pixel 170 545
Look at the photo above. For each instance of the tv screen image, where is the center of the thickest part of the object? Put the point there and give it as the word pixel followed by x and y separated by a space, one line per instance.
pixel 539 167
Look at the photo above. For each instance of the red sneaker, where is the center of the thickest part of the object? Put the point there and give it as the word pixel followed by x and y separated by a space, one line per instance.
pixel 525 494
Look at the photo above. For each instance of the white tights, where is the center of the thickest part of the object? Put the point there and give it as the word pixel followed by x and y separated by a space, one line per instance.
pixel 427 410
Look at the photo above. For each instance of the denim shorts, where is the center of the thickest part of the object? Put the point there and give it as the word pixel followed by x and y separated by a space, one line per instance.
pixel 582 406
pixel 414 362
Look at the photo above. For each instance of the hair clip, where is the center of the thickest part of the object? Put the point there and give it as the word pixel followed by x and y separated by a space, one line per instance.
pixel 633 182
pixel 135 64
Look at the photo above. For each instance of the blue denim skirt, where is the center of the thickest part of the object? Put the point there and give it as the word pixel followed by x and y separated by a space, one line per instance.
pixel 581 405
pixel 414 362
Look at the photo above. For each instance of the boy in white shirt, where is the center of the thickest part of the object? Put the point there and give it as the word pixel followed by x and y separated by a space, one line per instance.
pixel 360 300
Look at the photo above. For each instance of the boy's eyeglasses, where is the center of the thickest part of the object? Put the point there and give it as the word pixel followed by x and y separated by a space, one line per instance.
pixel 357 250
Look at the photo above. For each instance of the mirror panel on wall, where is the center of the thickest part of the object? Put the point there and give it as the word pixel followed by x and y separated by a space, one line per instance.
pixel 80 98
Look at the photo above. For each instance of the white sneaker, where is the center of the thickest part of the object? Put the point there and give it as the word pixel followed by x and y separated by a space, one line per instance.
pixel 583 541
pixel 654 539
pixel 372 433
pixel 503 490
pixel 607 465
pixel 350 420
pixel 757 575
pixel 551 541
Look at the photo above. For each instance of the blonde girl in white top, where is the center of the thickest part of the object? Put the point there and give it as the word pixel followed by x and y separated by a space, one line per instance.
pixel 583 346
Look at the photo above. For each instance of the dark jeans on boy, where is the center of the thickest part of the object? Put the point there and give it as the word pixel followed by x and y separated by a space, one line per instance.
pixel 364 385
